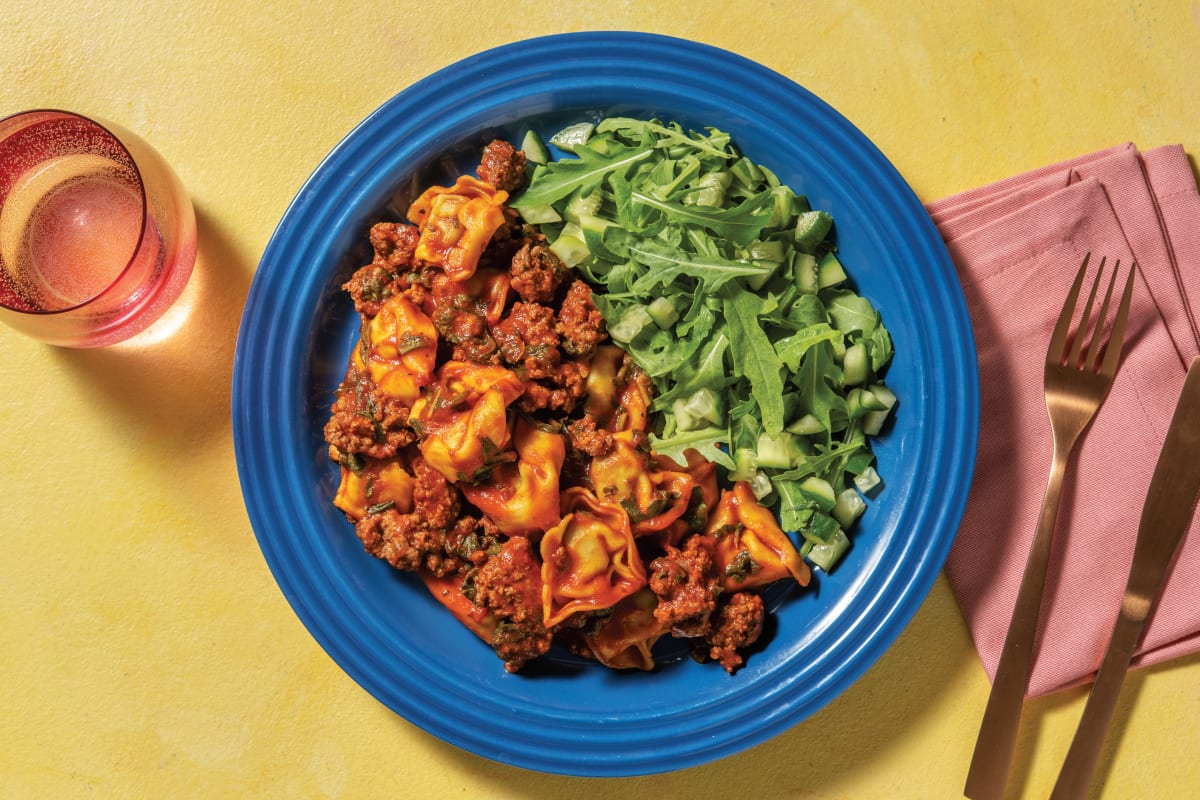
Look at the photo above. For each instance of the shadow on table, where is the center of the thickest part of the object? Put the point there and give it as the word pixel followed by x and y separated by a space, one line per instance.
pixel 171 383
pixel 853 734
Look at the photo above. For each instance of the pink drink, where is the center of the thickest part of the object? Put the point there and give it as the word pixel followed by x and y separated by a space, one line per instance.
pixel 68 230
pixel 93 246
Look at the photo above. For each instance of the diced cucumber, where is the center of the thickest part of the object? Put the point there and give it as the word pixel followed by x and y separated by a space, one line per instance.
pixel 849 507
pixel 770 250
pixel 854 403
pixel 826 555
pixel 540 215
pixel 534 148
pixel 820 491
pixel 811 229
pixel 631 323
pixel 867 480
pixel 573 136
pixel 856 365
pixel 785 206
pixel 873 421
pixel 775 452
pixel 580 206
pixel 684 421
pixel 705 404
pixel 593 228
pixel 769 176
pixel 760 485
pixel 664 313
pixel 821 528
pixel 710 189
pixel 745 465
pixel 838 345
pixel 806 425
pixel 886 396
pixel 746 172
pixel 830 271
pixel 807 278
pixel 570 248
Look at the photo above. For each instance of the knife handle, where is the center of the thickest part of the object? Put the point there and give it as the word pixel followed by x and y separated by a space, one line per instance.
pixel 1076 774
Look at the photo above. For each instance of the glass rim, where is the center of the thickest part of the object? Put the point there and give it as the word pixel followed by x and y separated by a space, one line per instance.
pixel 108 130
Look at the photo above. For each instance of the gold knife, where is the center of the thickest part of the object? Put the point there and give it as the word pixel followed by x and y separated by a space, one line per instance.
pixel 1170 503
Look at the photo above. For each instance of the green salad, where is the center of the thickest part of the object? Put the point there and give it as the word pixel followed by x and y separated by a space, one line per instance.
pixel 726 288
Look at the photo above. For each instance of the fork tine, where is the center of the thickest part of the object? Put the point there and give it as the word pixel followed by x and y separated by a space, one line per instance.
pixel 1112 353
pixel 1091 362
pixel 1058 339
pixel 1085 318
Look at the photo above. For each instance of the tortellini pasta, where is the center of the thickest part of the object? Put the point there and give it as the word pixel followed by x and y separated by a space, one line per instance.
pixel 462 421
pixel 457 222
pixel 589 560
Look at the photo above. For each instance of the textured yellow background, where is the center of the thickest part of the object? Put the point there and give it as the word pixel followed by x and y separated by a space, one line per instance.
pixel 145 650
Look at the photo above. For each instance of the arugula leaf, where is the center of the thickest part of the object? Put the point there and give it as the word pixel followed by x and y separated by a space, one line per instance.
pixel 850 312
pixel 669 135
pixel 562 178
pixel 792 348
pixel 740 225
pixel 815 377
pixel 666 263
pixel 795 510
pixel 705 441
pixel 754 357
pixel 707 371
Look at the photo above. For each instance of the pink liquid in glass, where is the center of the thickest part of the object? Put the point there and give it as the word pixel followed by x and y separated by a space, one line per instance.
pixel 80 231
pixel 83 258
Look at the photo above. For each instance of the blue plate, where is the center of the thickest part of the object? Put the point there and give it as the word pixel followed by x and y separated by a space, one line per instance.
pixel 383 628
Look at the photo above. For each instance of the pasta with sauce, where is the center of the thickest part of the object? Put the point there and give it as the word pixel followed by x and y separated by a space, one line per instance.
pixel 491 440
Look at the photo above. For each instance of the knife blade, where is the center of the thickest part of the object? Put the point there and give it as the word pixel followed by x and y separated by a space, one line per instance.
pixel 1170 505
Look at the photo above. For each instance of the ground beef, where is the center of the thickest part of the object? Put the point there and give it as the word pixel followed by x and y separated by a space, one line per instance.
pixel 394 244
pixel 579 323
pixel 509 584
pixel 560 392
pixel 687 587
pixel 408 542
pixel 527 338
pixel 737 625
pixel 587 437
pixel 370 287
pixel 503 166
pixel 435 499
pixel 365 420
pixel 537 272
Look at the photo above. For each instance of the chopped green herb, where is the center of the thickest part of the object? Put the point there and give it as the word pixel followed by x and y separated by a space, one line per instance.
pixel 741 567
pixel 412 341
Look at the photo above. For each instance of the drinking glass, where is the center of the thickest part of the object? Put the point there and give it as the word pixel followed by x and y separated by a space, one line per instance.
pixel 97 235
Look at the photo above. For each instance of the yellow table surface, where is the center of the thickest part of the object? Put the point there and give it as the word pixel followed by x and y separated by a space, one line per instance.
pixel 146 651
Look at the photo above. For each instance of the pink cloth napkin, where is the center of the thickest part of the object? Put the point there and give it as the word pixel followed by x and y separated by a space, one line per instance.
pixel 1017 245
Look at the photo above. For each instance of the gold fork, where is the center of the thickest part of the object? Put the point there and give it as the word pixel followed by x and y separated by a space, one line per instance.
pixel 1076 383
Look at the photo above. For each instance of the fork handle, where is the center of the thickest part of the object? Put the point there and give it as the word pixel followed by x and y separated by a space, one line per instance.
pixel 997 740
